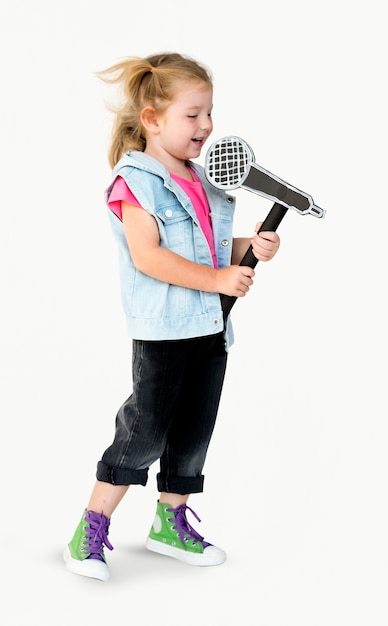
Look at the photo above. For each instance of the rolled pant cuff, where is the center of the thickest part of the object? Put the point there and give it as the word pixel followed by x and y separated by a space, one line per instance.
pixel 180 484
pixel 121 476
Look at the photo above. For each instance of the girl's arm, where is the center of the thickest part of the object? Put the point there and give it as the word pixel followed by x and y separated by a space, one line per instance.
pixel 149 257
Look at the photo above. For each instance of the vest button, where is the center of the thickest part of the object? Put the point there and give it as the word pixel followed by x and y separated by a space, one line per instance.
pixel 168 213
pixel 225 242
pixel 216 322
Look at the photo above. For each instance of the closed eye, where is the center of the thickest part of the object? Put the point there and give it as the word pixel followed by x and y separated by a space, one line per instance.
pixel 194 116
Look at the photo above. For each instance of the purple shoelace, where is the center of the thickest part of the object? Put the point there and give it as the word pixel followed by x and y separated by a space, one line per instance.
pixel 185 531
pixel 97 535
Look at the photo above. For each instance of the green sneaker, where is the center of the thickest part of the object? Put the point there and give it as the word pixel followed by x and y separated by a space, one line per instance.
pixel 172 535
pixel 84 554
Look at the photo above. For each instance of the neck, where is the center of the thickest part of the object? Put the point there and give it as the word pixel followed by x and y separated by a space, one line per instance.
pixel 184 172
pixel 174 166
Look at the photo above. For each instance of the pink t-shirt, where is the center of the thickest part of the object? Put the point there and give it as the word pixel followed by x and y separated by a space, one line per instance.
pixel 121 193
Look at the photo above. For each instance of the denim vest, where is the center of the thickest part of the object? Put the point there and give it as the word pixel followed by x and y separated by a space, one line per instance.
pixel 156 310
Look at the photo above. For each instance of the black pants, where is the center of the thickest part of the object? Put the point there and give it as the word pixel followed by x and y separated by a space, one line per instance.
pixel 170 414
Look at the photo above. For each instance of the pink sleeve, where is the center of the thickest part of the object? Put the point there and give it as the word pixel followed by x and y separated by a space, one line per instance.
pixel 120 192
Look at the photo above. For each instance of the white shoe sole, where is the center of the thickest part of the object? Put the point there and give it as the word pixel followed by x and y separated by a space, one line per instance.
pixel 89 567
pixel 210 556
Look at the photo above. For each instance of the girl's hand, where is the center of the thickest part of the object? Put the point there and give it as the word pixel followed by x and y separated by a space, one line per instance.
pixel 265 244
pixel 234 280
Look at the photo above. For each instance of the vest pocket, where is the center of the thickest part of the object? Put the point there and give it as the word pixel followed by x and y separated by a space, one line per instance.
pixel 175 226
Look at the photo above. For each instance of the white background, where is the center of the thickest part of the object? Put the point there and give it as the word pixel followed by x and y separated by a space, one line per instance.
pixel 296 477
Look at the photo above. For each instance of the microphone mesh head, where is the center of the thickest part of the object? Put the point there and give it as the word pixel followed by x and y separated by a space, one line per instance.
pixel 228 162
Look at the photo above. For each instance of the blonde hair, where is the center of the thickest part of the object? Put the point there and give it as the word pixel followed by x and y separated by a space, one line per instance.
pixel 150 81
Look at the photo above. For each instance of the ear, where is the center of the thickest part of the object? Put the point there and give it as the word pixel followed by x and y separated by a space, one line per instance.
pixel 149 120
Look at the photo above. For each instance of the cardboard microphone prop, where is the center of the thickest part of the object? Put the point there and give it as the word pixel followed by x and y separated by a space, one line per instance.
pixel 229 164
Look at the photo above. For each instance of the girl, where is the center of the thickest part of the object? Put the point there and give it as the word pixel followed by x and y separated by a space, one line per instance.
pixel 177 254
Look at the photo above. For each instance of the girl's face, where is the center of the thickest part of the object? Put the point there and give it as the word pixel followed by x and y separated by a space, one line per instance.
pixel 184 126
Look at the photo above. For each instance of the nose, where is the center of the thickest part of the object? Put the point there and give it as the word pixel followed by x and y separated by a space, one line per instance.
pixel 206 123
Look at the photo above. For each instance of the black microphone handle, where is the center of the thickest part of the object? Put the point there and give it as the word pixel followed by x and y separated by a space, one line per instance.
pixel 270 223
